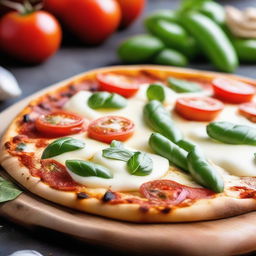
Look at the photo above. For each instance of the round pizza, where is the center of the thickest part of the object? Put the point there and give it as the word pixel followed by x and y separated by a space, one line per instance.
pixel 140 143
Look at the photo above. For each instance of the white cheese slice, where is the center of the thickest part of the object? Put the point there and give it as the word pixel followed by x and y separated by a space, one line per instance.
pixel 122 180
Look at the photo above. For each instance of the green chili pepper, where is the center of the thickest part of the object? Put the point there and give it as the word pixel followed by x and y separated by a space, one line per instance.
pixel 173 35
pixel 182 86
pixel 139 48
pixel 186 145
pixel 160 121
pixel 203 172
pixel 171 57
pixel 165 148
pixel 168 15
pixel 156 92
pixel 213 10
pixel 245 49
pixel 231 133
pixel 212 39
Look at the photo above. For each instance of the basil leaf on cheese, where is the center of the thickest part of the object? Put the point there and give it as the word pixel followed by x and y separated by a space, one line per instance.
pixel 140 164
pixel 182 86
pixel 156 92
pixel 20 147
pixel 106 100
pixel 8 191
pixel 61 146
pixel 117 153
pixel 88 169
pixel 232 133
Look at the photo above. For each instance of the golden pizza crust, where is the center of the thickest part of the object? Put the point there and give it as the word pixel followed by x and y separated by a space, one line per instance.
pixel 204 209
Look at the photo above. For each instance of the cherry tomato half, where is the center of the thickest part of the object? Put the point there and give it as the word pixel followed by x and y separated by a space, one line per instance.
pixel 110 128
pixel 171 192
pixel 248 110
pixel 31 37
pixel 59 123
pixel 232 91
pixel 130 9
pixel 198 108
pixel 123 85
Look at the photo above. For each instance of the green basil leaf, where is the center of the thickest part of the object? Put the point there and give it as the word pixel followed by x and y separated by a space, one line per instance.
pixel 232 133
pixel 182 86
pixel 156 92
pixel 106 100
pixel 140 164
pixel 88 169
pixel 8 191
pixel 116 153
pixel 116 144
pixel 61 146
pixel 20 147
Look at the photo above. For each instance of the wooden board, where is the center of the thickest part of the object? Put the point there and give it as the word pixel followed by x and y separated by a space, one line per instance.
pixel 221 237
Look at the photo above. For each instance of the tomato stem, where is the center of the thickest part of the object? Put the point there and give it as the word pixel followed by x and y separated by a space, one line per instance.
pixel 16 6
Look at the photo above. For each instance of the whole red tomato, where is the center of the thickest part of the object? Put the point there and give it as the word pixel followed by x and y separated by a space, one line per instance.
pixel 31 37
pixel 92 20
pixel 131 9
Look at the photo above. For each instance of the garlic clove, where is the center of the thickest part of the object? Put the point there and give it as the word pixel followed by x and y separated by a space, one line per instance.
pixel 9 87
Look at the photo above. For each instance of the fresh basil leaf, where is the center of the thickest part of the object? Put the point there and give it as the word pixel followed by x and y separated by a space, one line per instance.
pixel 8 191
pixel 88 169
pixel 20 147
pixel 116 153
pixel 116 144
pixel 61 146
pixel 140 164
pixel 182 86
pixel 156 92
pixel 106 100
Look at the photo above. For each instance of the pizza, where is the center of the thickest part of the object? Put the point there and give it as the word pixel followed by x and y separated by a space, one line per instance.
pixel 140 143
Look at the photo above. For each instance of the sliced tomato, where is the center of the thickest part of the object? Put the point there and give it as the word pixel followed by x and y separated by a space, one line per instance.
pixel 124 85
pixel 198 108
pixel 232 91
pixel 56 176
pixel 248 110
pixel 110 128
pixel 172 193
pixel 59 123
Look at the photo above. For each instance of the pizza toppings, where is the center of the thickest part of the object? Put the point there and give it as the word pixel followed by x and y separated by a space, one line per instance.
pixel 88 169
pixel 56 176
pixel 168 192
pixel 204 172
pixel 160 121
pixel 100 100
pixel 232 91
pixel 198 108
pixel 110 128
pixel 232 133
pixel 248 110
pixel 156 92
pixel 59 124
pixel 121 84
pixel 61 146
pixel 183 86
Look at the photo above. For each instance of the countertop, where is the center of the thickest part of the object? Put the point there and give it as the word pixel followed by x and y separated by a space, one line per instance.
pixel 71 59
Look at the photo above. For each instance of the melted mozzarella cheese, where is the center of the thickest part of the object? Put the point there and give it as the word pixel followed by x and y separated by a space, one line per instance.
pixel 122 180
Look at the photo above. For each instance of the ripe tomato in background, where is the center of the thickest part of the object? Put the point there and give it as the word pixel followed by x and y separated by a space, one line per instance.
pixel 32 37
pixel 92 21
pixel 56 7
pixel 130 9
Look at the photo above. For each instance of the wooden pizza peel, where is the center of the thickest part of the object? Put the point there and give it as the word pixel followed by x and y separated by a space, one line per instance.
pixel 230 236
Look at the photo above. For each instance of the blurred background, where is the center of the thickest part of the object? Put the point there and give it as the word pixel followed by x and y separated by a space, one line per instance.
pixel 52 40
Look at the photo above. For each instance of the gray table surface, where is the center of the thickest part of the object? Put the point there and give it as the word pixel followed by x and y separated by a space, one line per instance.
pixel 72 59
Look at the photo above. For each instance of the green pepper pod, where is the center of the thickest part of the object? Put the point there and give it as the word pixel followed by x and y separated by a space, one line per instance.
pixel 186 145
pixel 214 11
pixel 167 149
pixel 203 172
pixel 245 49
pixel 173 36
pixel 168 15
pixel 170 57
pixel 160 121
pixel 139 48
pixel 231 133
pixel 212 39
